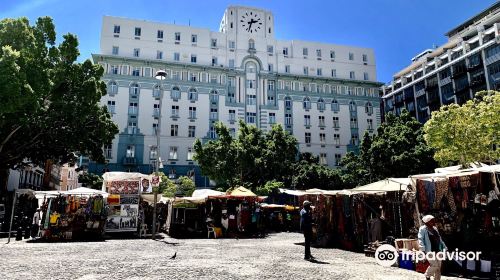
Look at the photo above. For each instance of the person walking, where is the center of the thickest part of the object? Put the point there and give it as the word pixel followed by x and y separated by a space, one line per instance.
pixel 429 240
pixel 306 227
pixel 35 226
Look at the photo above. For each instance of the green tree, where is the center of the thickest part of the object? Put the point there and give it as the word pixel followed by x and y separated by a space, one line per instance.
pixel 354 172
pixel 217 158
pixel 269 188
pixel 90 180
pixel 467 133
pixel 251 147
pixel 279 155
pixel 397 150
pixel 186 185
pixel 167 187
pixel 50 103
pixel 250 159
pixel 308 174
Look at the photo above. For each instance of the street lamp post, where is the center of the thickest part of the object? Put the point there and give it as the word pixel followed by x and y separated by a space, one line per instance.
pixel 160 75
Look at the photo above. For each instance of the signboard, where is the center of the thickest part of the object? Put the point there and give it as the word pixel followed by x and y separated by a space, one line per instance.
pixel 123 187
pixel 146 186
pixel 156 181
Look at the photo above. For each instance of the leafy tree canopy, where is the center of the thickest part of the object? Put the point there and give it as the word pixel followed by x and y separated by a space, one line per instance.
pixel 50 103
pixel 308 174
pixel 90 180
pixel 397 149
pixel 250 159
pixel 467 133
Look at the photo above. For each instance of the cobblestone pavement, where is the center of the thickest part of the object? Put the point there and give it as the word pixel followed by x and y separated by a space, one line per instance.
pixel 275 257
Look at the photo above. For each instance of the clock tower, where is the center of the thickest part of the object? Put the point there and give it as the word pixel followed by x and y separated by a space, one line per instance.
pixel 247 22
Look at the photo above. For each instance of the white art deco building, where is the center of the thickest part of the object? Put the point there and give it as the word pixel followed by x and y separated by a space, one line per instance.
pixel 324 94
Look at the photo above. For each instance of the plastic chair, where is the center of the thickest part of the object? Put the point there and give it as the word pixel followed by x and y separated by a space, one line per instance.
pixel 211 230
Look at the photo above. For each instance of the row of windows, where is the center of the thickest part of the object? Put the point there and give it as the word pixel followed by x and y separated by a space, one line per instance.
pixel 249 118
pixel 336 138
pixel 321 105
pixel 195 76
pixel 326 88
pixel 270 66
pixel 336 123
pixel 130 152
pixel 232 44
pixel 173 153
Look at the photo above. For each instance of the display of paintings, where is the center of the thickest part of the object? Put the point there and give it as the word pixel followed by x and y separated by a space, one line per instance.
pixel 147 187
pixel 123 187
pixel 129 210
pixel 129 199
pixel 120 223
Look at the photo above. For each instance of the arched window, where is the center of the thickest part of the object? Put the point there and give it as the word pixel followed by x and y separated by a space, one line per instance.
pixel 251 44
pixel 321 104
pixel 134 89
pixel 156 91
pixel 112 88
pixel 288 102
pixel 251 67
pixel 192 94
pixel 214 96
pixel 335 106
pixel 306 103
pixel 352 106
pixel 176 93
pixel 368 108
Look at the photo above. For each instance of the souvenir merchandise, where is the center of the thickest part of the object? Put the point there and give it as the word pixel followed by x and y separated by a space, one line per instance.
pixel 73 217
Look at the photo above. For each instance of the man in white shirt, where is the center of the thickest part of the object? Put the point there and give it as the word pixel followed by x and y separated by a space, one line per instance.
pixel 36 223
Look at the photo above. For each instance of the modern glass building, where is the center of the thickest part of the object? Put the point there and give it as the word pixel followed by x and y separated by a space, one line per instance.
pixel 452 73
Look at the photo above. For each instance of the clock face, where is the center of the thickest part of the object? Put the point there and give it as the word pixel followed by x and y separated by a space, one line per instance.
pixel 251 22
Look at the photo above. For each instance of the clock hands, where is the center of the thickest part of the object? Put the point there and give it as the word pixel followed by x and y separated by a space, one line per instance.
pixel 252 21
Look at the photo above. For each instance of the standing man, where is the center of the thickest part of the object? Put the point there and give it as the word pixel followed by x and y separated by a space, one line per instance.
pixel 429 240
pixel 306 227
pixel 36 223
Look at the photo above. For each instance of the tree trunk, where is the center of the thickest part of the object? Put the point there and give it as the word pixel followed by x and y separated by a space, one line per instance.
pixel 4 179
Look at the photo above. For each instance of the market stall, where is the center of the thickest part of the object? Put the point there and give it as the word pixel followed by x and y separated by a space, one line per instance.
pixel 76 214
pixel 124 199
pixel 466 206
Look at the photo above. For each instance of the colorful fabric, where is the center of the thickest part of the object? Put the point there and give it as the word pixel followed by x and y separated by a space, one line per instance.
pixel 443 191
pixel 422 197
pixel 430 191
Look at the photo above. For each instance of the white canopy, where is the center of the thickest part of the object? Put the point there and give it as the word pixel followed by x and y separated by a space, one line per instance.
pixel 457 168
pixel 119 176
pixel 382 186
pixel 204 193
pixel 85 191
pixel 292 192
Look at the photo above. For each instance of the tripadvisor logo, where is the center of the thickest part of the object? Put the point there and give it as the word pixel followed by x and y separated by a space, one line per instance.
pixel 387 255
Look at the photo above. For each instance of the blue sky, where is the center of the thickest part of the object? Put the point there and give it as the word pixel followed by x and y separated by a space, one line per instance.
pixel 396 29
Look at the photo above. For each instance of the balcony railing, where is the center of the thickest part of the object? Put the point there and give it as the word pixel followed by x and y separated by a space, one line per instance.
pixel 431 84
pixel 445 81
pixel 458 71
pixel 132 110
pixel 129 161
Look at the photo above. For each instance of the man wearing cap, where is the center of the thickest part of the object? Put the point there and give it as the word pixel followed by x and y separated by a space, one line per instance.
pixel 306 227
pixel 429 240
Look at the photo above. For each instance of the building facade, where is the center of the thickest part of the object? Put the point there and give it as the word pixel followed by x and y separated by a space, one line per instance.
pixel 452 73
pixel 324 94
